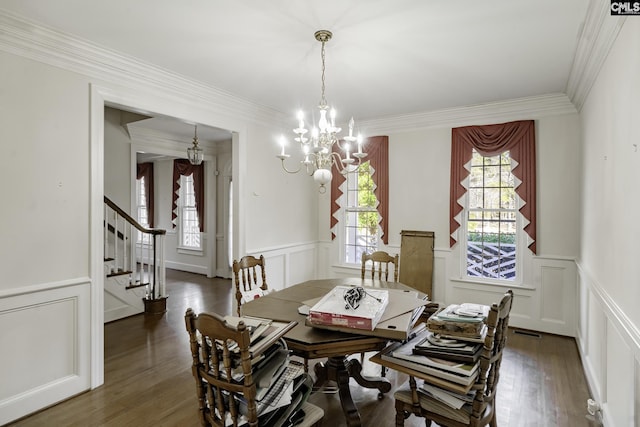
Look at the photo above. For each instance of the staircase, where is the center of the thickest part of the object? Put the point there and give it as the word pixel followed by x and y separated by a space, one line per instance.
pixel 134 265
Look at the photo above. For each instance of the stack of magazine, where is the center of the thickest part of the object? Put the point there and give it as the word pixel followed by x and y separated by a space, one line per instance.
pixel 462 374
pixel 446 355
pixel 282 386
pixel 464 321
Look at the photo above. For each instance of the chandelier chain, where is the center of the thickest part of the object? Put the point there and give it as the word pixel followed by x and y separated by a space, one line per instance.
pixel 323 101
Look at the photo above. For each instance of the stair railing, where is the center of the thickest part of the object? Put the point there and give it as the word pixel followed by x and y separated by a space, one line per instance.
pixel 134 250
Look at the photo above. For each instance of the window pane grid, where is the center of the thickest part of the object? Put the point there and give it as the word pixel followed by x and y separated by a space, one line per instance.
pixel 361 217
pixel 189 223
pixel 491 220
pixel 143 213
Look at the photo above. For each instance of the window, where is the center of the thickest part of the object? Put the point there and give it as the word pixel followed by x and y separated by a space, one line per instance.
pixel 141 201
pixel 491 218
pixel 142 210
pixel 360 203
pixel 189 223
pixel 361 216
pixel 492 205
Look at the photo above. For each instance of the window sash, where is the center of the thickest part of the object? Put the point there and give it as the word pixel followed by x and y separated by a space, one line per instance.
pixel 189 230
pixel 361 229
pixel 142 211
pixel 491 224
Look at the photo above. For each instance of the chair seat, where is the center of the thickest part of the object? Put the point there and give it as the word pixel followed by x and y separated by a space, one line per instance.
pixel 432 405
pixel 313 415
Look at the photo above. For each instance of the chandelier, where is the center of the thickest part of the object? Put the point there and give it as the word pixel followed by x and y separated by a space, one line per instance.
pixel 195 153
pixel 318 148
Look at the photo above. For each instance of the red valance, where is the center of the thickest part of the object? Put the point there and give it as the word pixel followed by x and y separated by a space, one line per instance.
pixel 490 140
pixel 183 167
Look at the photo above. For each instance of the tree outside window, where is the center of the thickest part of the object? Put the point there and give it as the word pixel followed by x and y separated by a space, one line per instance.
pixel 362 219
pixel 491 218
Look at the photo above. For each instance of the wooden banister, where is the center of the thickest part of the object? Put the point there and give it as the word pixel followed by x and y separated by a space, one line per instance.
pixel 130 220
pixel 141 258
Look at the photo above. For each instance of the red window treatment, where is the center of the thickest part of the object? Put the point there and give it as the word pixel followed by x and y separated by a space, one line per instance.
pixel 183 167
pixel 490 140
pixel 377 149
pixel 146 170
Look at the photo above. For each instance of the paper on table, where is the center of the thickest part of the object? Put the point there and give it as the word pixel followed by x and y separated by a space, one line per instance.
pixel 400 302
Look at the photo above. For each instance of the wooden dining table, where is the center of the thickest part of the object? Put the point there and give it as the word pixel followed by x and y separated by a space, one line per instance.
pixel 314 343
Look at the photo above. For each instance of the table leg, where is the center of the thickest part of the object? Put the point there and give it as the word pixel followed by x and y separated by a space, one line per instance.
pixel 340 369
pixel 355 368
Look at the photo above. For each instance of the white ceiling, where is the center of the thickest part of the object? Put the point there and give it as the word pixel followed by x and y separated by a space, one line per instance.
pixel 387 57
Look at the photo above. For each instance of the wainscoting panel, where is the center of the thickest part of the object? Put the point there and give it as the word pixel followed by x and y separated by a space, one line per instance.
pixel 547 304
pixel 45 346
pixel 553 302
pixel 289 264
pixel 439 274
pixel 303 265
pixel 609 345
pixel 276 269
pixel 619 383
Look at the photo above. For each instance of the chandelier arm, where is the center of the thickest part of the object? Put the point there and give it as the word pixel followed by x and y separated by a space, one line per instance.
pixel 337 162
pixel 291 171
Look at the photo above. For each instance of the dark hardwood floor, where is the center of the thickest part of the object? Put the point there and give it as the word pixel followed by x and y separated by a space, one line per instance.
pixel 148 375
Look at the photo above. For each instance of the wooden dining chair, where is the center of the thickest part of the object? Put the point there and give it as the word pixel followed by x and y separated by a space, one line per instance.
pixel 220 396
pixel 482 410
pixel 246 277
pixel 380 261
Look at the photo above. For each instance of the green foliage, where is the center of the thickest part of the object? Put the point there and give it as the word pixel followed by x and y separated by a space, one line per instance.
pixel 474 236
pixel 366 198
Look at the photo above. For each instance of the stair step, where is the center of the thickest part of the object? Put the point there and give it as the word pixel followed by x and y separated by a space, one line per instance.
pixel 137 285
pixel 120 272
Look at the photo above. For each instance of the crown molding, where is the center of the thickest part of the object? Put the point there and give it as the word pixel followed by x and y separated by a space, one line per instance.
pixel 37 42
pixel 528 108
pixel 152 138
pixel 23 38
pixel 598 34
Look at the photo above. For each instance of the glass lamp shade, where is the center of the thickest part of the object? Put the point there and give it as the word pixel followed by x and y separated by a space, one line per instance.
pixel 195 155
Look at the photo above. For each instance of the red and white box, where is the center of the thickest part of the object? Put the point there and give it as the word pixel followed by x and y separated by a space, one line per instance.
pixel 333 309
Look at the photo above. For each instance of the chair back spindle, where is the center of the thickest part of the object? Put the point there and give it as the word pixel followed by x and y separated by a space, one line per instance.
pixel 380 261
pixel 246 276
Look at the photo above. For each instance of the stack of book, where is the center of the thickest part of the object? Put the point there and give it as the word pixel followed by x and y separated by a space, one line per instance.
pixel 453 375
pixel 282 386
pixel 449 362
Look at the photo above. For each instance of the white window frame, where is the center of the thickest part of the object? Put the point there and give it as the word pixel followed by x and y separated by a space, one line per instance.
pixel 520 240
pixel 182 208
pixel 349 185
pixel 143 238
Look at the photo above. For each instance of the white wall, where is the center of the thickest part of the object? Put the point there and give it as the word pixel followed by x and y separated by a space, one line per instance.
pixel 52 110
pixel 45 253
pixel 609 271
pixel 117 160
pixel 419 176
